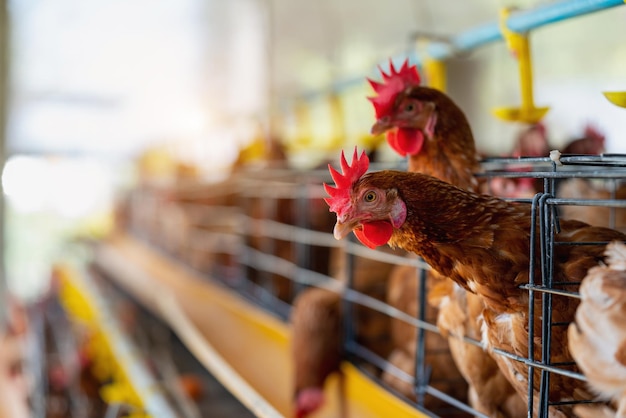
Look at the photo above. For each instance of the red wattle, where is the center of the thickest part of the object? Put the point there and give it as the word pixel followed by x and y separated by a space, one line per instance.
pixel 392 140
pixel 405 141
pixel 410 140
pixel 374 234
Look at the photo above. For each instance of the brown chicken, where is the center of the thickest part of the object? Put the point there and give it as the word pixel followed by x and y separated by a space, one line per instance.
pixel 480 242
pixel 577 188
pixel 591 143
pixel 597 339
pixel 426 125
pixel 316 320
pixel 315 346
pixel 530 142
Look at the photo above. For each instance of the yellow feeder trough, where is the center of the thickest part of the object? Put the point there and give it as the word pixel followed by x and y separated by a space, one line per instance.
pixel 618 98
pixel 519 44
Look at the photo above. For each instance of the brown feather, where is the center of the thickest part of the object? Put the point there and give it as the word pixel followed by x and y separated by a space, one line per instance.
pixel 597 339
pixel 577 188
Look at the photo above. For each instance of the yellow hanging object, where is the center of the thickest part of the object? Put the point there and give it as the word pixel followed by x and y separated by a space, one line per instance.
pixel 337 122
pixel 618 98
pixel 436 74
pixel 254 151
pixel 519 45
pixel 303 138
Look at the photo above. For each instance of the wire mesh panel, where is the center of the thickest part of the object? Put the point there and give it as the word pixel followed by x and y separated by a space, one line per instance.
pixel 586 188
pixel 267 234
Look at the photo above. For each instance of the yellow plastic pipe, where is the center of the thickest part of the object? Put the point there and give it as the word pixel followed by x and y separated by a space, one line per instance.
pixel 436 74
pixel 337 121
pixel 519 45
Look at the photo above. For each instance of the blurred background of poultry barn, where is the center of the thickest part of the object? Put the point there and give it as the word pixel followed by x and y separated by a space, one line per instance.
pixel 167 250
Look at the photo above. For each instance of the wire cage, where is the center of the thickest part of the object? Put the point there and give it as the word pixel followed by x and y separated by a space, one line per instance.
pixel 268 235
pixel 569 183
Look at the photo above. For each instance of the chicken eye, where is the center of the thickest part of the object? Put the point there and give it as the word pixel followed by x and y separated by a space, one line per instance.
pixel 409 107
pixel 369 196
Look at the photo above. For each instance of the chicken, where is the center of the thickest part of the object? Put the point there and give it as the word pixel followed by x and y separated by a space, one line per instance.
pixel 480 242
pixel 531 142
pixel 316 321
pixel 577 188
pixel 592 142
pixel 426 125
pixel 432 130
pixel 315 346
pixel 597 339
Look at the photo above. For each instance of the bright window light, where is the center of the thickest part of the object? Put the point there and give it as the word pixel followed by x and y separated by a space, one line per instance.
pixel 72 188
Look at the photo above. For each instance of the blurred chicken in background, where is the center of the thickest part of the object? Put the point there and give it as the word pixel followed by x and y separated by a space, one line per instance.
pixel 316 346
pixel 317 318
pixel 14 384
pixel 530 142
pixel 591 143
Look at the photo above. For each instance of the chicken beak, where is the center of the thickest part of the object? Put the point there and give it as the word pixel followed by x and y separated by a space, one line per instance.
pixel 342 229
pixel 381 126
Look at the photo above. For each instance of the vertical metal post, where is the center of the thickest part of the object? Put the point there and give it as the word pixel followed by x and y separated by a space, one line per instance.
pixel 302 250
pixel 246 271
pixel 612 188
pixel 421 375
pixel 546 264
pixel 549 227
pixel 349 318
pixel 267 279
pixel 531 301
pixel 5 43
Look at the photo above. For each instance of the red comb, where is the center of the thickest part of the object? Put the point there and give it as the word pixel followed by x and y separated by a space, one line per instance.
pixel 340 194
pixel 393 83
